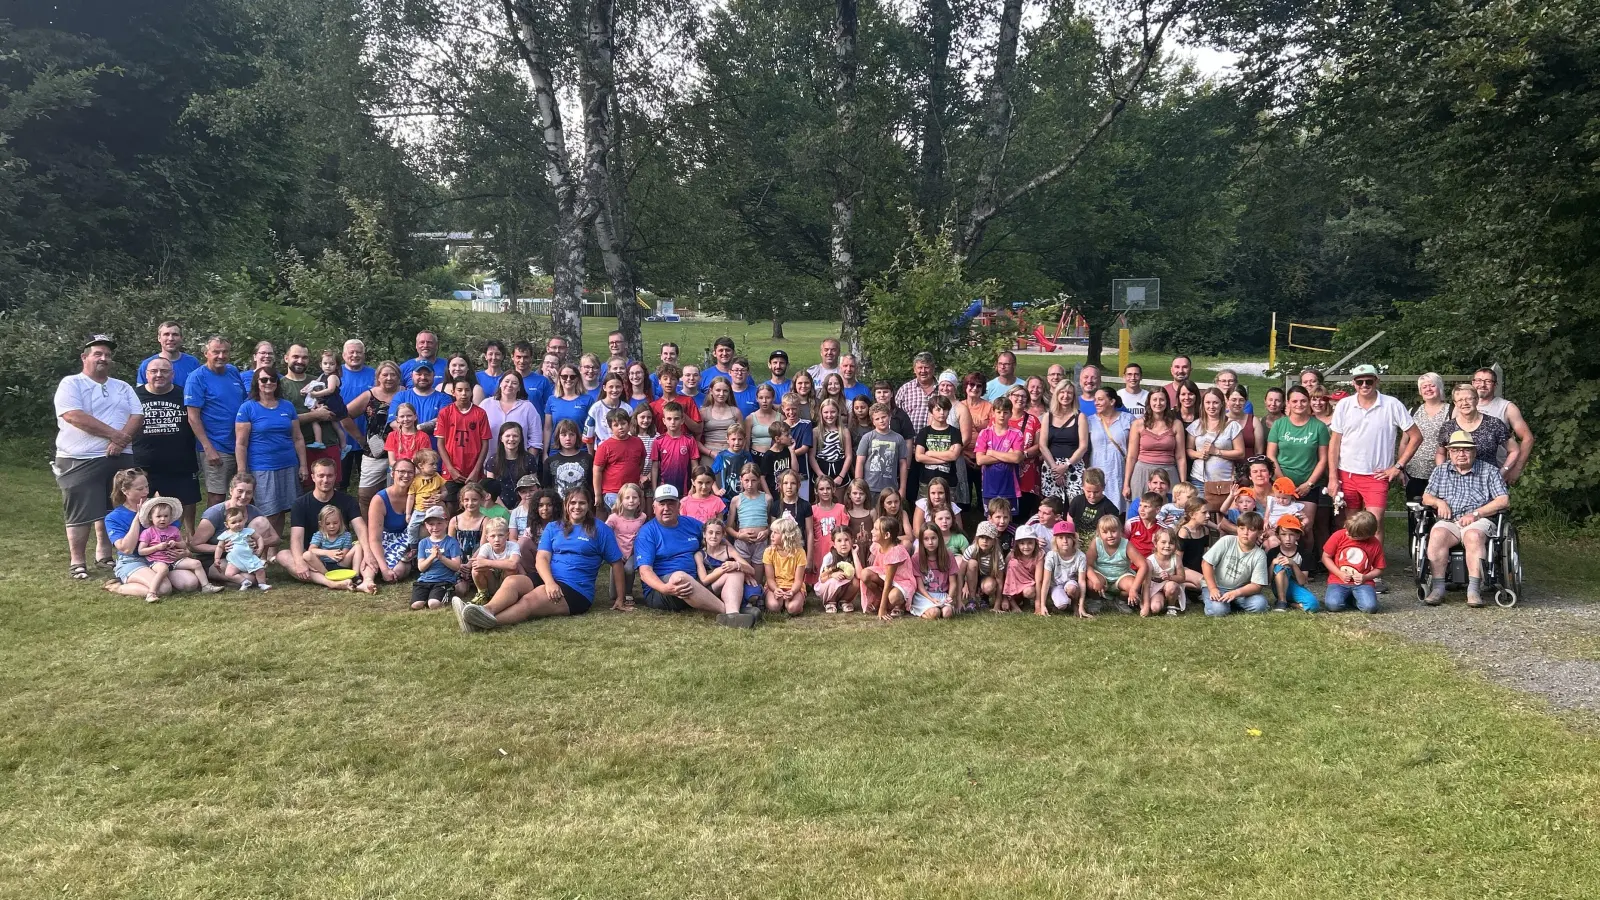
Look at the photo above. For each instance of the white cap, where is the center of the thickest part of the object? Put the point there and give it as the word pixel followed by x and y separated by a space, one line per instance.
pixel 666 492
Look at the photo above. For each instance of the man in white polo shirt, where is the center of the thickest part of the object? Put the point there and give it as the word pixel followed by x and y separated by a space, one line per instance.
pixel 1361 452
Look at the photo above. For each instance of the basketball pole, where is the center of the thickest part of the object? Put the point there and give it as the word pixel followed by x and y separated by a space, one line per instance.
pixel 1122 348
pixel 1272 344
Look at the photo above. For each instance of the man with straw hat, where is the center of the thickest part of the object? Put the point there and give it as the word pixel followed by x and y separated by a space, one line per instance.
pixel 1466 492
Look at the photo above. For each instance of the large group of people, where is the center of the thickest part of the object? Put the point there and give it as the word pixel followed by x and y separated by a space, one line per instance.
pixel 507 492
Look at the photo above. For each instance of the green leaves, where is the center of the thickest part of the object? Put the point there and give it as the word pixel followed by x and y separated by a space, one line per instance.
pixel 913 308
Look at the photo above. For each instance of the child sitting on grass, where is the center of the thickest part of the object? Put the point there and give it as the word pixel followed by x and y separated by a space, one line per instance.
pixel 239 563
pixel 938 587
pixel 1169 580
pixel 888 583
pixel 1022 571
pixel 785 564
pixel 836 576
pixel 163 545
pixel 332 545
pixel 1116 570
pixel 1087 509
pixel 1288 574
pixel 718 561
pixel 497 558
pixel 438 562
pixel 985 567
pixel 1061 573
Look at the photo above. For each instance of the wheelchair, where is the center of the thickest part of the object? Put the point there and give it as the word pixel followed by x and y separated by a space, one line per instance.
pixel 1502 569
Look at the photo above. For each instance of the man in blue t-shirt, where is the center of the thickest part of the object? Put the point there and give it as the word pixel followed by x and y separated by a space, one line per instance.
pixel 355 379
pixel 665 549
pixel 170 336
pixel 778 365
pixel 744 390
pixel 423 398
pixel 427 355
pixel 535 384
pixel 852 388
pixel 213 394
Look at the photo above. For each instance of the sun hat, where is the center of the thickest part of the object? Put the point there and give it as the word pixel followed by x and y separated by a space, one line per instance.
pixel 149 506
pixel 1283 485
pixel 1064 526
pixel 1291 523
pixel 987 529
pixel 434 512
pixel 1460 439
pixel 1364 369
pixel 666 492
pixel 949 376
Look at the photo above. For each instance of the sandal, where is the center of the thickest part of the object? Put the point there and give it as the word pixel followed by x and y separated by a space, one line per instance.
pixel 78 571
pixel 830 607
pixel 105 563
pixel 847 607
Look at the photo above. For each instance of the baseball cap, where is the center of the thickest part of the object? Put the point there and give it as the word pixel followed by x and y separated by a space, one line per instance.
pixel 1028 533
pixel 666 492
pixel 99 339
pixel 1336 396
pixel 1364 369
pixel 1284 485
pixel 434 512
pixel 779 354
pixel 1063 527
pixel 987 529
pixel 1291 523
pixel 527 481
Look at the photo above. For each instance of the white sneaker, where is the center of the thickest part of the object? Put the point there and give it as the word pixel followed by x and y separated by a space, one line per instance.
pixel 246 585
pixel 264 586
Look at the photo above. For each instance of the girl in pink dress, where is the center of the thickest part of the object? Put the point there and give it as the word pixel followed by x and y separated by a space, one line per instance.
pixel 827 514
pixel 889 582
pixel 1022 568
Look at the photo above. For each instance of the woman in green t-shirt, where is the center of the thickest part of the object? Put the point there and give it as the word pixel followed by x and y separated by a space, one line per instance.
pixel 1298 446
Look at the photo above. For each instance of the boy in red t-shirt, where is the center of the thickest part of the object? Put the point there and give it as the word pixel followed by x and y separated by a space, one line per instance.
pixel 1142 530
pixel 667 375
pixel 619 459
pixel 462 435
pixel 673 454
pixel 1354 559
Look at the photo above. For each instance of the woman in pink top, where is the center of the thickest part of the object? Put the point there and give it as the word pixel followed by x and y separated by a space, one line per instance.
pixel 1154 443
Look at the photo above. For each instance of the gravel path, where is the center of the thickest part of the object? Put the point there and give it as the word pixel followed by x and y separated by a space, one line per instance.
pixel 1536 647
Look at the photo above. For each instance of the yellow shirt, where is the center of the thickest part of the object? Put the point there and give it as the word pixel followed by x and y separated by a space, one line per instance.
pixel 428 486
pixel 785 566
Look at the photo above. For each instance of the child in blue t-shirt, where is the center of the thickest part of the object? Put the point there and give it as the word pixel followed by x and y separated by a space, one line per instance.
pixel 438 562
pixel 730 462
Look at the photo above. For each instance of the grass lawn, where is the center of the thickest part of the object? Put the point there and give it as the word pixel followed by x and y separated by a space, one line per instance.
pixel 803 340
pixel 303 743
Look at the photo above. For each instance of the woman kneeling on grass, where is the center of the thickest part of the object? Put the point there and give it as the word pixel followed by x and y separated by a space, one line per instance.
pixel 569 558
pixel 135 577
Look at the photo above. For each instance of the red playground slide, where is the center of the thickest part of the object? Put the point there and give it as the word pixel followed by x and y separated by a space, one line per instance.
pixel 1043 340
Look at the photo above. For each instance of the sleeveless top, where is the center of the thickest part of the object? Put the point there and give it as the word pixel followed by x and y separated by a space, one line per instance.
pixel 394 522
pixel 469 539
pixel 377 428
pixel 1062 440
pixel 1158 574
pixel 715 428
pixel 1112 565
pixel 752 513
pixel 1193 551
pixel 1158 449
pixel 830 452
pixel 1247 435
pixel 761 435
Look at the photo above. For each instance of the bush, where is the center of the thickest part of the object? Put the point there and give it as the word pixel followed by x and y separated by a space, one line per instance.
pixel 913 307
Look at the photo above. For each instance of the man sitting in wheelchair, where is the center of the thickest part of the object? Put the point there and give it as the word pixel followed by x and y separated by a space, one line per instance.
pixel 1466 493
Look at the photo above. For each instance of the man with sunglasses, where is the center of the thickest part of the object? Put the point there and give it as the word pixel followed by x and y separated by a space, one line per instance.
pixel 1361 451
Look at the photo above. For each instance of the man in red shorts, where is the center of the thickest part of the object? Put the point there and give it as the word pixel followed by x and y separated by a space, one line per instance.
pixel 1361 452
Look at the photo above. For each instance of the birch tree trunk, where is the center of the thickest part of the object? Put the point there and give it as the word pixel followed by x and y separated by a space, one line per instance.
pixel 566 306
pixel 841 245
pixel 607 192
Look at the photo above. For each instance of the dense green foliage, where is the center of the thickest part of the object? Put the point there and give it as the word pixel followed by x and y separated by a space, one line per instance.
pixel 913 308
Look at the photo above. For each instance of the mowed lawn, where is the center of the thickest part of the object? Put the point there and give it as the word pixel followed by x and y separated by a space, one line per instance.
pixel 307 744
pixel 803 340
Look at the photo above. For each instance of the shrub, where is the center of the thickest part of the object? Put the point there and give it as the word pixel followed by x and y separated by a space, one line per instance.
pixel 913 307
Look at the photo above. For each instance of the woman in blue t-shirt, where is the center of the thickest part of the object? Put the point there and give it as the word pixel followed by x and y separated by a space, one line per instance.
pixel 570 554
pixel 135 578
pixel 269 445
pixel 568 403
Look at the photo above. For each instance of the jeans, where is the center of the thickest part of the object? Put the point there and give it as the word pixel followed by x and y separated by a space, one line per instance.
pixel 1339 595
pixel 1250 603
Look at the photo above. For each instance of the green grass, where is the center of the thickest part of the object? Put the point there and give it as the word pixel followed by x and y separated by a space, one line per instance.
pixel 803 340
pixel 310 744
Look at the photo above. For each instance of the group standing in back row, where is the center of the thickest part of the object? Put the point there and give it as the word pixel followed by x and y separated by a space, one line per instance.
pixel 476 480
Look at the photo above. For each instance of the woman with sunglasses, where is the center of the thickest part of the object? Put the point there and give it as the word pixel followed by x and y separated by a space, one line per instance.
pixel 568 403
pixel 268 444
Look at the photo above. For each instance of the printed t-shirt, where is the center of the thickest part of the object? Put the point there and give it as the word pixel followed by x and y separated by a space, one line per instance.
pixel 461 436
pixel 937 441
pixel 673 458
pixel 1297 446
pixel 1001 479
pixel 438 573
pixel 1363 556
pixel 883 452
